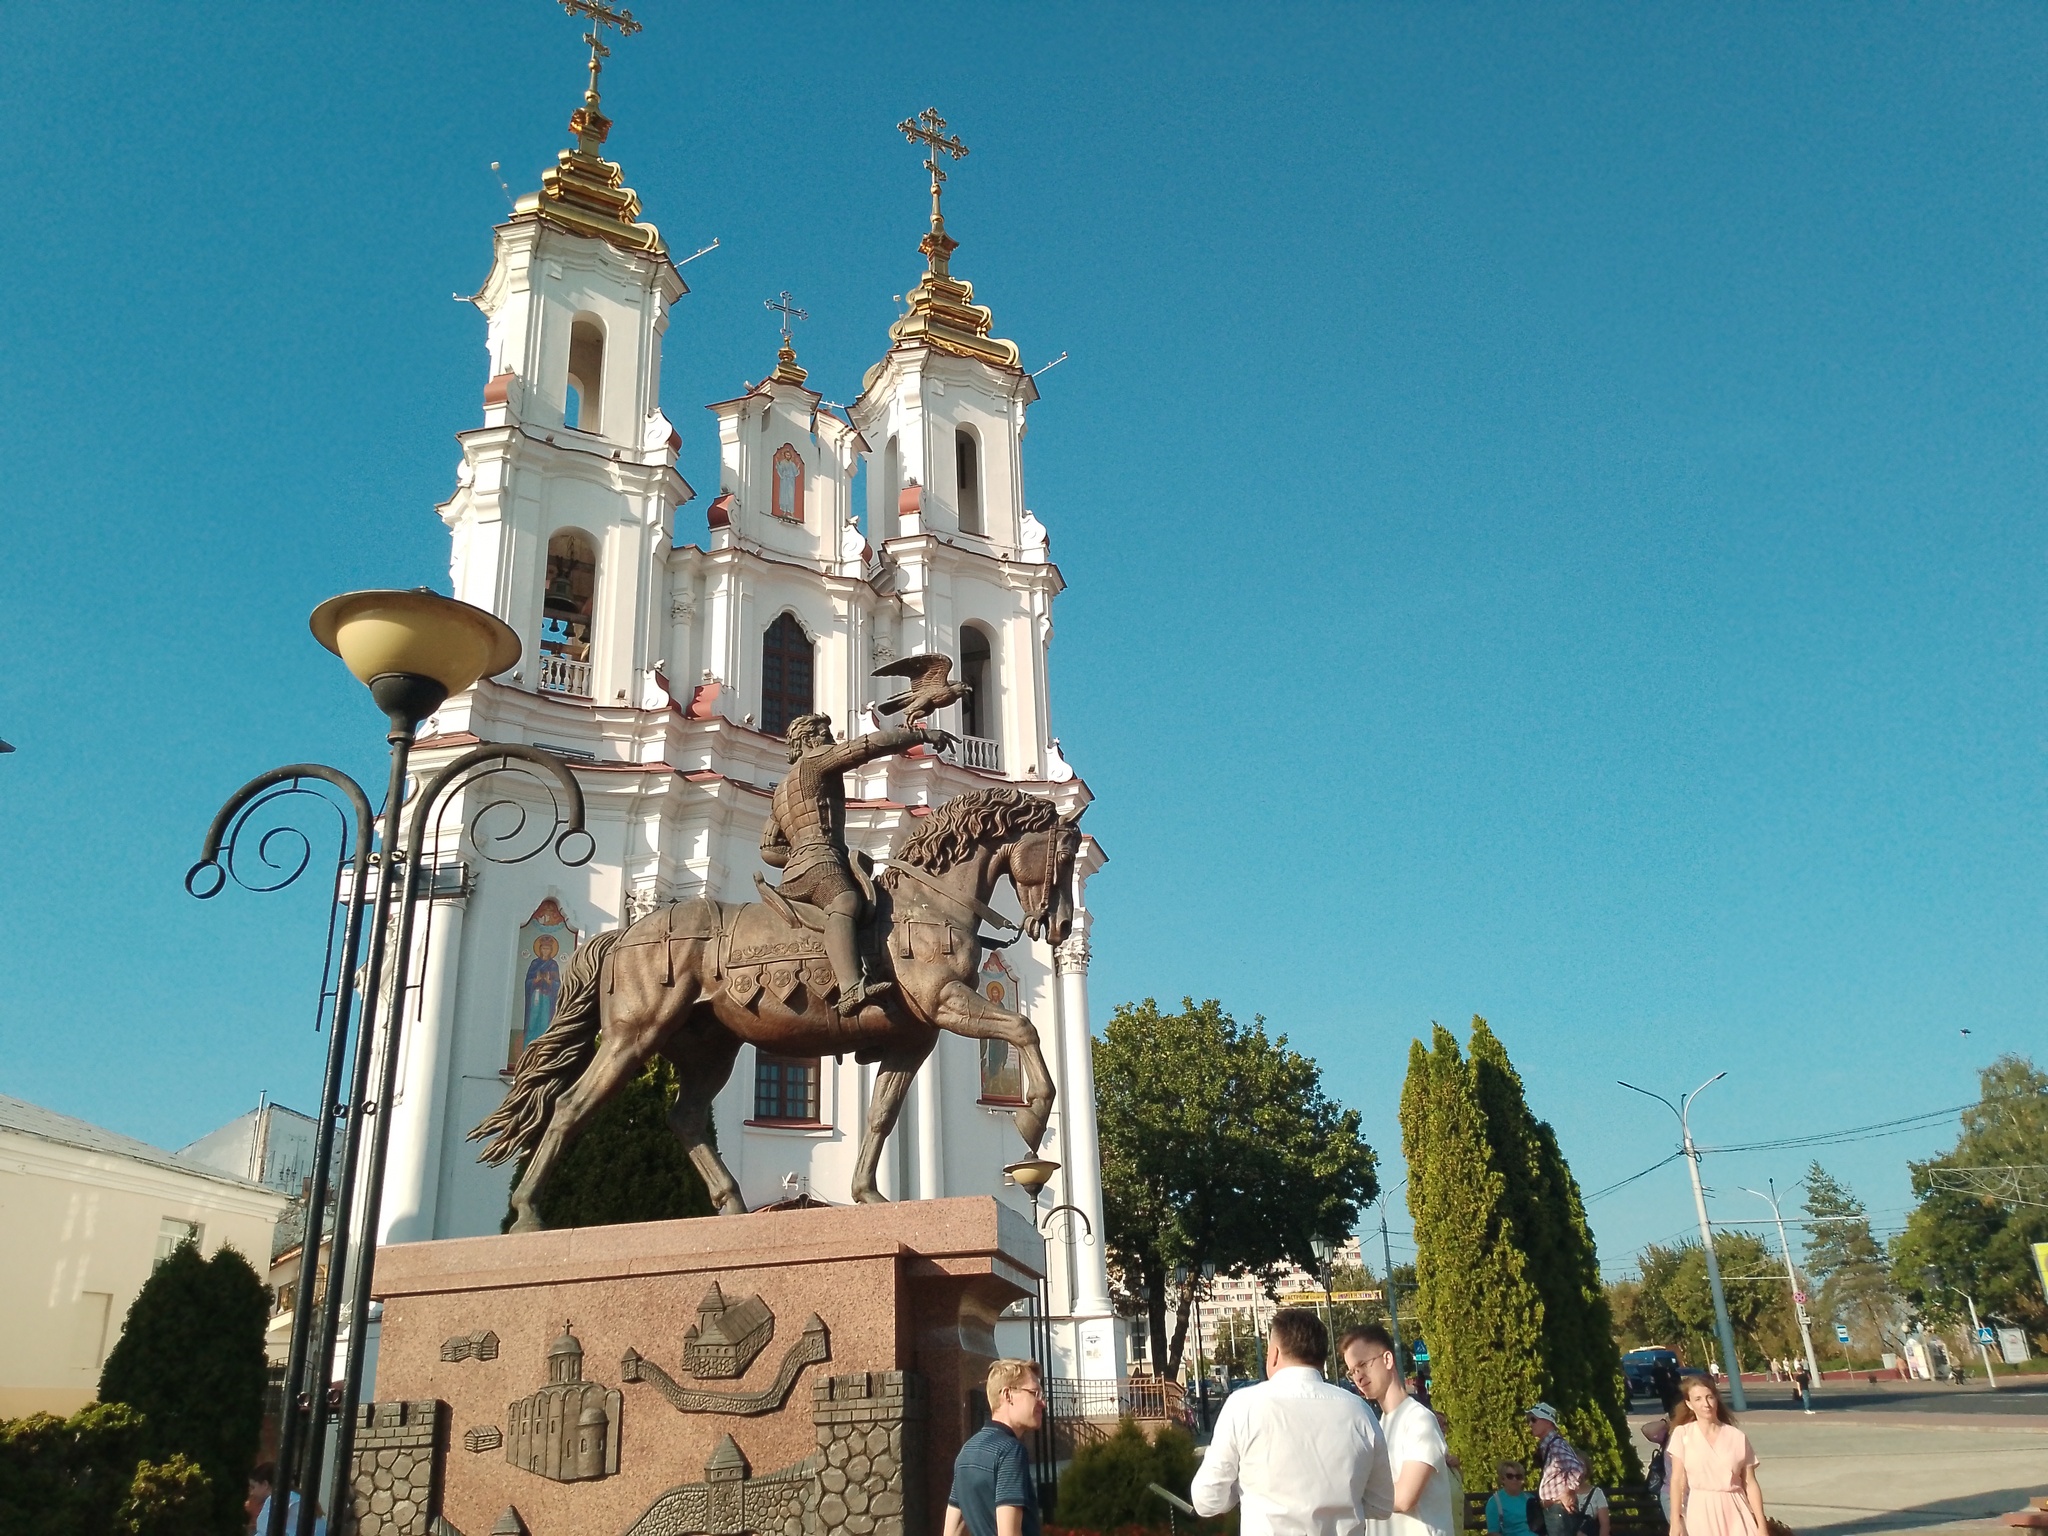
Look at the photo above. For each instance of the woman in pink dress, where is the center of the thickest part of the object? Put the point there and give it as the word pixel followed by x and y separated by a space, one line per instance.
pixel 1714 1489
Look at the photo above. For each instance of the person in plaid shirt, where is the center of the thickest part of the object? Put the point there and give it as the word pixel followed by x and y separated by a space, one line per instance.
pixel 1564 1472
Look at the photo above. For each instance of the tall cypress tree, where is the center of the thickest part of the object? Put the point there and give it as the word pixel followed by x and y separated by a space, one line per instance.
pixel 1480 1313
pixel 190 1360
pixel 1581 1363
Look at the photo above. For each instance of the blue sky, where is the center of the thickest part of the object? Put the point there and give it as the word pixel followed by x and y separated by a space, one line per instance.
pixel 1550 497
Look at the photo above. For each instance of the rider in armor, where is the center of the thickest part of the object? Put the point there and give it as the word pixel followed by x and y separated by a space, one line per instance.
pixel 806 837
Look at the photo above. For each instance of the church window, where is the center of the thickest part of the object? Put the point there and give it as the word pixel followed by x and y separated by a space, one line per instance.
pixel 567 599
pixel 967 460
pixel 978 709
pixel 892 483
pixel 786 1089
pixel 785 674
pixel 789 484
pixel 586 376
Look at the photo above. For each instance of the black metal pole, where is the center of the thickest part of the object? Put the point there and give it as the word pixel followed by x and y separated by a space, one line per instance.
pixel 303 1350
pixel 381 1006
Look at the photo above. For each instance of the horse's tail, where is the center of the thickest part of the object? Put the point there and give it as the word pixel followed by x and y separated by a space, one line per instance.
pixel 552 1062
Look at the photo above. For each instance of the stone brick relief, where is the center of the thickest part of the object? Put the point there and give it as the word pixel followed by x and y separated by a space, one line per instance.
pixel 395 1486
pixel 865 1478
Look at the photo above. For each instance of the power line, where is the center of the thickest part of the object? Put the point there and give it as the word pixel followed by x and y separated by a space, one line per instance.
pixel 1853 1133
pixel 1601 1194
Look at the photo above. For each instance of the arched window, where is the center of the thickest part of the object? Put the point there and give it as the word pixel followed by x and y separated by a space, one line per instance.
pixel 892 484
pixel 785 674
pixel 789 484
pixel 978 710
pixel 566 602
pixel 584 409
pixel 967 461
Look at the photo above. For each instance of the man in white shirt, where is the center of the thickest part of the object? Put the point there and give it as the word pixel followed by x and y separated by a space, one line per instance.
pixel 1302 1456
pixel 1415 1441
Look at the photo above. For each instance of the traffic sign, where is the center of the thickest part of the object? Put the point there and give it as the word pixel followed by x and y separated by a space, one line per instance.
pixel 1841 1333
pixel 1799 1297
pixel 1420 1351
pixel 1986 1336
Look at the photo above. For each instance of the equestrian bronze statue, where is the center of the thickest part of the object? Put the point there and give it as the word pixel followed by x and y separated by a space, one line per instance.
pixel 800 973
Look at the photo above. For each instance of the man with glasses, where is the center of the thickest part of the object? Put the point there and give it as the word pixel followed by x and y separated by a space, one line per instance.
pixel 1304 1457
pixel 1415 1441
pixel 993 1492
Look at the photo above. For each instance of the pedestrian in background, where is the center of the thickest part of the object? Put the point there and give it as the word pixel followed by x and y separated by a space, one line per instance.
pixel 1802 1378
pixel 1564 1471
pixel 994 1493
pixel 1415 1441
pixel 1657 1477
pixel 1714 1491
pixel 1304 1458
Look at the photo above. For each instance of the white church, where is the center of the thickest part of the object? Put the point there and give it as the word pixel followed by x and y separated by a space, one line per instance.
pixel 665 673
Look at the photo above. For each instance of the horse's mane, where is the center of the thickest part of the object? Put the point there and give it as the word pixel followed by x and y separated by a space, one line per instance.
pixel 973 820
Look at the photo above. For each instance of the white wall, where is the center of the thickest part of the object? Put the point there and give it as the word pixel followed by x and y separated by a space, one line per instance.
pixel 81 1237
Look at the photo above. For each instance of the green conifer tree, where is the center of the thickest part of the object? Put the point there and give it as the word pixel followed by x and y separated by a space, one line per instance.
pixel 190 1361
pixel 1581 1363
pixel 1480 1313
pixel 627 1165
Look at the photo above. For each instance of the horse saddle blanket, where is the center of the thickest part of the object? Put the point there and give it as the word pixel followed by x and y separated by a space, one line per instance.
pixel 754 948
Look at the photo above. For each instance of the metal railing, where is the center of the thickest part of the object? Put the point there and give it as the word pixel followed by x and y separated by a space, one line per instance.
pixel 558 674
pixel 1134 1397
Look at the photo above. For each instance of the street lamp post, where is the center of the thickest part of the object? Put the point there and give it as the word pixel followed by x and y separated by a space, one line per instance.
pixel 1722 1326
pixel 1324 1250
pixel 1792 1275
pixel 1387 1259
pixel 1031 1175
pixel 412 649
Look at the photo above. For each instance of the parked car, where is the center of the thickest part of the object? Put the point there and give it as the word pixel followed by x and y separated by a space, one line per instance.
pixel 1642 1368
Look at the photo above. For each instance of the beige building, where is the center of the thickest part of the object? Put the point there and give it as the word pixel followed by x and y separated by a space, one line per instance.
pixel 87 1214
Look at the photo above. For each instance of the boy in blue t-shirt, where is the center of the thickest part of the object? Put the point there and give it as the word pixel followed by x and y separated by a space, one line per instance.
pixel 993 1490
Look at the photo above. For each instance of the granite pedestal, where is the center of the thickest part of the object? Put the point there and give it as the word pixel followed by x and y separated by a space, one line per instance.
pixel 793 1373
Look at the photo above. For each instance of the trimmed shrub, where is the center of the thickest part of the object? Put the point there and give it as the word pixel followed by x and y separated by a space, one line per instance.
pixel 1106 1486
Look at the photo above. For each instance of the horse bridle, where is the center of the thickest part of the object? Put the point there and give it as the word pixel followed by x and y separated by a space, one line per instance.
pixel 988 914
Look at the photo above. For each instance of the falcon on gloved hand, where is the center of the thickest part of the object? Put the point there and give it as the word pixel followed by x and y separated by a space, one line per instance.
pixel 931 687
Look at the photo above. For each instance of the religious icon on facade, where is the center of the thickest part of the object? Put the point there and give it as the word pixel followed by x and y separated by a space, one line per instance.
pixel 789 484
pixel 546 945
pixel 1002 1071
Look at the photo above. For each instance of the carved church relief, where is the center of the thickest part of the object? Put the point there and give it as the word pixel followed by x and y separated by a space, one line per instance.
pixel 568 1430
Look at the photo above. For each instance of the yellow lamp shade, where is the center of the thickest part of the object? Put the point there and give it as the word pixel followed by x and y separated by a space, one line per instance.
pixel 417 632
pixel 1031 1174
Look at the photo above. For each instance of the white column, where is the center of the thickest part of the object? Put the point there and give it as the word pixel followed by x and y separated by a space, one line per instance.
pixel 1084 1148
pixel 412 1171
pixel 931 1183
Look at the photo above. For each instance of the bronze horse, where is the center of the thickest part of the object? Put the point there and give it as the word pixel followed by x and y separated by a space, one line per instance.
pixel 697 979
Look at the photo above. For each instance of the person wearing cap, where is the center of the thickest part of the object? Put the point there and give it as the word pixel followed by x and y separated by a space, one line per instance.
pixel 1564 1472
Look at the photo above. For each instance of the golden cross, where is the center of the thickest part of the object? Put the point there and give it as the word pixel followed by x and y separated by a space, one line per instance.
pixel 929 129
pixel 787 305
pixel 601 16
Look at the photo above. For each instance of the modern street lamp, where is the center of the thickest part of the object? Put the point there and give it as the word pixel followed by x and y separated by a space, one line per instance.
pixel 1387 1258
pixel 1791 1275
pixel 413 649
pixel 1722 1326
pixel 1933 1278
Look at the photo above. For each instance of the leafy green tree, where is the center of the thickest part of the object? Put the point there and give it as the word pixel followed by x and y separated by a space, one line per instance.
pixel 190 1361
pixel 627 1165
pixel 1672 1302
pixel 1852 1271
pixel 1582 1368
pixel 86 1476
pixel 1218 1147
pixel 1476 1304
pixel 173 1498
pixel 1237 1346
pixel 1107 1486
pixel 1978 1243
